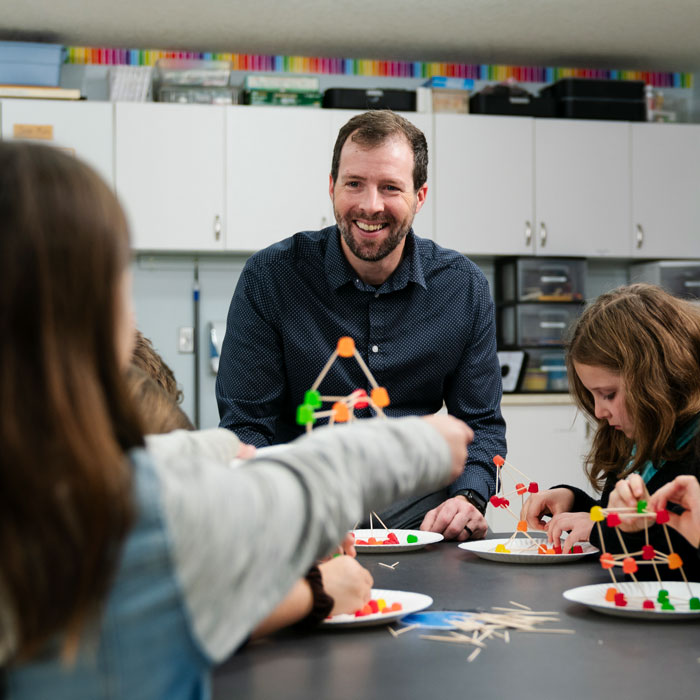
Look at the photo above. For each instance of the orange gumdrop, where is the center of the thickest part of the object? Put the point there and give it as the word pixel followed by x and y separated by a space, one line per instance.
pixel 340 412
pixel 542 549
pixel 674 561
pixel 395 607
pixel 346 346
pixel 498 461
pixel 380 396
pixel 610 594
pixel 522 526
pixel 551 551
pixel 372 540
pixel 629 565
pixel 607 561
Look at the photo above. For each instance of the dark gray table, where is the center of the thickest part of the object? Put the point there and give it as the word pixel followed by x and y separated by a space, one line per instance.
pixel 607 657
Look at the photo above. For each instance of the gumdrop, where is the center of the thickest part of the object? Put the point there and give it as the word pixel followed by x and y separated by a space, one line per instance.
pixel 520 489
pixel 501 548
pixel 648 605
pixel 498 461
pixel 341 414
pixel 346 346
pixel 610 594
pixel 313 398
pixel 361 542
pixel 607 561
pixel 522 526
pixel 641 506
pixel 613 520
pixel 393 538
pixel 305 414
pixel 533 487
pixel 557 549
pixel 597 514
pixel 577 549
pixel 662 596
pixel 373 606
pixel 662 516
pixel 357 395
pixel 380 396
pixel 395 607
pixel 666 605
pixel 648 552
pixel 372 540
pixel 674 561
pixel 542 549
pixel 620 600
pixel 629 565
pixel 495 501
pixel 550 550
pixel 381 604
pixel 387 542
pixel 694 603
pixel 411 539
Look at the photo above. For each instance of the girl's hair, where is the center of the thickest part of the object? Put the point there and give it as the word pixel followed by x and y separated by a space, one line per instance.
pixel 159 411
pixel 65 484
pixel 146 358
pixel 652 340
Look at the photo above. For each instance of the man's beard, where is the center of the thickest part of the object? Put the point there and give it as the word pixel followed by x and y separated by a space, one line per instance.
pixel 372 251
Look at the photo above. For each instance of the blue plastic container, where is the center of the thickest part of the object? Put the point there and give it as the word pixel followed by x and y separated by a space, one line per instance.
pixel 25 63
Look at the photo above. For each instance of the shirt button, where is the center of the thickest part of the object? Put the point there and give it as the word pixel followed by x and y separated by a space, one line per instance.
pixel 376 295
pixel 375 348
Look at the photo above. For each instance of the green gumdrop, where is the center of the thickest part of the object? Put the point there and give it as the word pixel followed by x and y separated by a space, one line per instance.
pixel 665 605
pixel 663 595
pixel 411 539
pixel 313 398
pixel 305 414
pixel 641 506
pixel 694 603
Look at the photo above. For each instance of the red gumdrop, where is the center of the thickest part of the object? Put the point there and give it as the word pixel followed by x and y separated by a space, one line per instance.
pixel 505 503
pixel 613 520
pixel 533 487
pixel 648 605
pixel 358 393
pixel 373 606
pixel 620 600
pixel 662 516
pixel 520 489
pixel 557 549
pixel 498 461
pixel 495 501
pixel 393 538
pixel 577 549
pixel 648 552
pixel 387 542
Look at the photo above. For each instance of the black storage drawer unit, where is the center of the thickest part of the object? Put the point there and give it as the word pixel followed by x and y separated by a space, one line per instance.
pixel 522 325
pixel 523 106
pixel 351 98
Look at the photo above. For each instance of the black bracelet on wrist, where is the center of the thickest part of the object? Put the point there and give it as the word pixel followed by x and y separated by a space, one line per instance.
pixel 322 602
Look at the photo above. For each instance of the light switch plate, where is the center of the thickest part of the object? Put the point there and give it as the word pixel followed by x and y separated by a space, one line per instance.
pixel 185 339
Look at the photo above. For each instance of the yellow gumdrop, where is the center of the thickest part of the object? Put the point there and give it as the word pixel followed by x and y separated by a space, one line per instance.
pixel 597 514
pixel 501 548
pixel 381 604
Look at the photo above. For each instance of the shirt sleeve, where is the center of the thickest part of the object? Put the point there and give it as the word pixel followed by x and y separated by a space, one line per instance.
pixel 241 537
pixel 216 444
pixel 250 384
pixel 474 395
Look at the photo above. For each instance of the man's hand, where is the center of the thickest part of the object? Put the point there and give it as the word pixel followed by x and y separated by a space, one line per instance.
pixel 457 434
pixel 456 519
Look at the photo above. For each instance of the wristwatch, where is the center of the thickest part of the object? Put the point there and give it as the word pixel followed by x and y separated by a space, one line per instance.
pixel 475 498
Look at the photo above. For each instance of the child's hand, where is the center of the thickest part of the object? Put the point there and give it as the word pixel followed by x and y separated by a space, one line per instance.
pixel 578 525
pixel 685 491
pixel 548 502
pixel 246 451
pixel 626 494
pixel 347 547
pixel 347 582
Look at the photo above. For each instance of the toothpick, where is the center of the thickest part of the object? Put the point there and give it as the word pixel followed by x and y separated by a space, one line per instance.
pixel 519 605
pixel 365 369
pixel 387 566
pixel 404 629
pixel 380 520
pixel 473 655
pixel 325 369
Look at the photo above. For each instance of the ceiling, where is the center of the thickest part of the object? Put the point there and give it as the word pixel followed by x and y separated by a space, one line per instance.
pixel 623 34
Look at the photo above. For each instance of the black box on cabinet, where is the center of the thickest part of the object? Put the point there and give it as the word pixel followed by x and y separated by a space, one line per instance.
pixel 352 98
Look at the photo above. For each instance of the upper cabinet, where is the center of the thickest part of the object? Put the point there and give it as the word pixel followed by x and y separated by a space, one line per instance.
pixel 666 190
pixel 170 177
pixel 84 129
pixel 484 200
pixel 277 164
pixel 582 188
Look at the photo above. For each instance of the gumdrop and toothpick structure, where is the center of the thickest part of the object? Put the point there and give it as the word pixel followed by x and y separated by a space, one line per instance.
pixel 628 560
pixel 343 407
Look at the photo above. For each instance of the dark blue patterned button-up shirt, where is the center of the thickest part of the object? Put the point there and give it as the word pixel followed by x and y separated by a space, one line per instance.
pixel 427 334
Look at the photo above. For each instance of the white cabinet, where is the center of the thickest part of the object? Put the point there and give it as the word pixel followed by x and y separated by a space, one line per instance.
pixel 484 201
pixel 546 442
pixel 277 162
pixel 582 188
pixel 666 190
pixel 81 128
pixel 169 166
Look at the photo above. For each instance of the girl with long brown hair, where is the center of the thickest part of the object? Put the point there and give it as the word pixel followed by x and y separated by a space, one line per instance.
pixel 634 362
pixel 119 578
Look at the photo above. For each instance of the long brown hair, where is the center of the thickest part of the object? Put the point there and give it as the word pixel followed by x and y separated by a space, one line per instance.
pixel 65 485
pixel 652 340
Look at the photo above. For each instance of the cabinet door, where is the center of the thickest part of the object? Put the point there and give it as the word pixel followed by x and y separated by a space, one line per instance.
pixel 484 184
pixel 424 222
pixel 548 443
pixel 278 161
pixel 582 188
pixel 665 190
pixel 81 128
pixel 169 166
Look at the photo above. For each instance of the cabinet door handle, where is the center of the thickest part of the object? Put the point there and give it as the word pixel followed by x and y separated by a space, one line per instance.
pixel 640 236
pixel 543 234
pixel 528 234
pixel 217 227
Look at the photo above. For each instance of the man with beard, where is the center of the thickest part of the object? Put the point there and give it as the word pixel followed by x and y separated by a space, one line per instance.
pixel 421 317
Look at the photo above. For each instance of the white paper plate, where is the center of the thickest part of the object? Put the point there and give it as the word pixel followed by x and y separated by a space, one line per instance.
pixel 411 602
pixel 523 551
pixel 594 598
pixel 424 538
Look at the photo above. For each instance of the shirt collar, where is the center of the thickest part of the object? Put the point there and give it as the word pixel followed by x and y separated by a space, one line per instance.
pixel 340 272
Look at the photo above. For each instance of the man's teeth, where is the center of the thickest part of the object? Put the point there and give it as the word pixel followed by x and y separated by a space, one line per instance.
pixel 369 227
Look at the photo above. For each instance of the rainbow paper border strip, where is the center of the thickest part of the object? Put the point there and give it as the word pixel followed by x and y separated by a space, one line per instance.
pixel 369 67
